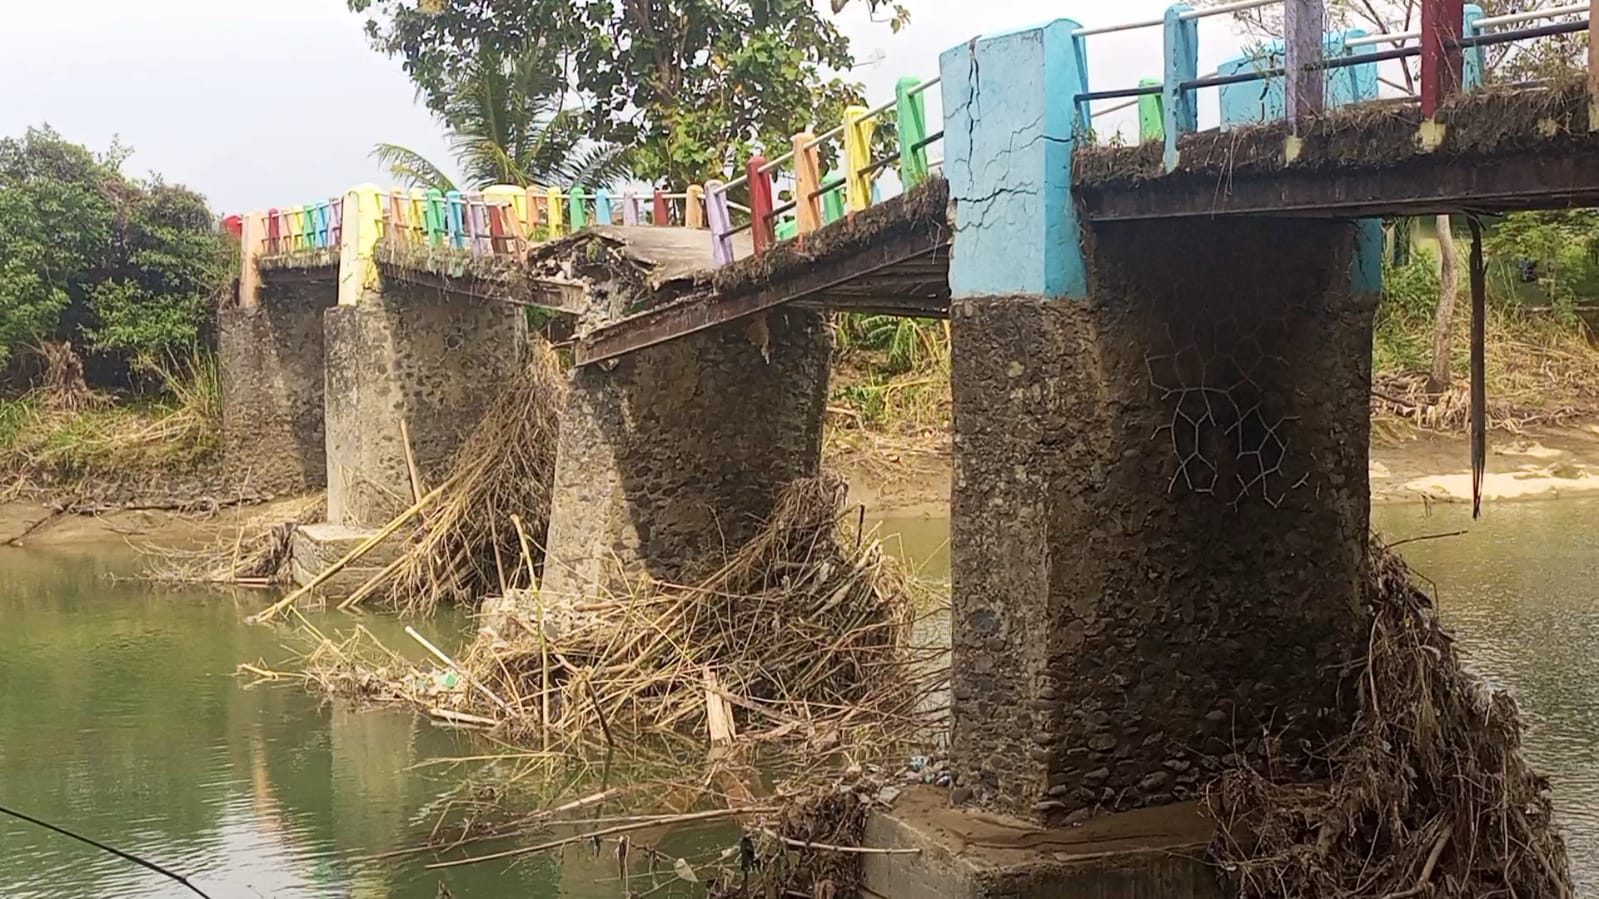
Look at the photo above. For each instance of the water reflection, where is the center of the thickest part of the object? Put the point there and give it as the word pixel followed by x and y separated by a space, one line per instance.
pixel 1521 592
pixel 120 718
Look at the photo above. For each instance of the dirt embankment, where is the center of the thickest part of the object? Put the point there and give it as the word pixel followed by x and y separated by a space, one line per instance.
pixel 34 525
pixel 1407 466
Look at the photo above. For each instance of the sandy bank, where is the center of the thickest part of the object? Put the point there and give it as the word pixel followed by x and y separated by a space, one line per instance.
pixel 1407 466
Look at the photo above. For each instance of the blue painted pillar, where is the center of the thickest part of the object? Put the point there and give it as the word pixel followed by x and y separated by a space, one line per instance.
pixel 1181 48
pixel 1475 59
pixel 1009 128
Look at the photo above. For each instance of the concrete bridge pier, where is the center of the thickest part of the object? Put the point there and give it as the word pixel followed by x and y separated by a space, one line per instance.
pixel 413 354
pixel 1160 507
pixel 671 458
pixel 270 353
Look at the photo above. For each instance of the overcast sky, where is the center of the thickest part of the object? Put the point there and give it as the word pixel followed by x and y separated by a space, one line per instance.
pixel 260 103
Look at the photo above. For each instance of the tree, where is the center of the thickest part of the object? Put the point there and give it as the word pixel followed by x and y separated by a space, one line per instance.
pixel 1439 374
pixel 123 267
pixel 688 87
pixel 1515 62
pixel 507 125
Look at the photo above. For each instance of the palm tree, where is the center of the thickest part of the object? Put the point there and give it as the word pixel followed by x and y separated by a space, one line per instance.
pixel 507 125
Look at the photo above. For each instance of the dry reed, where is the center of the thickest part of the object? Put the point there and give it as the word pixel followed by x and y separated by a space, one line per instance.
pixel 1430 793
pixel 504 468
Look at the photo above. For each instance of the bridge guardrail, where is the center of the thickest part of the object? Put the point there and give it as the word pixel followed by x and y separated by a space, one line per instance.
pixel 1450 45
pixel 503 220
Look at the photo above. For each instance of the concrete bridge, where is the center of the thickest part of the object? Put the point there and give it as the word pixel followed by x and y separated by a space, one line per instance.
pixel 1161 373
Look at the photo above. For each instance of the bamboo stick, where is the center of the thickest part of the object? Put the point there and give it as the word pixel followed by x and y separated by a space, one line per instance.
pixel 690 818
pixel 538 614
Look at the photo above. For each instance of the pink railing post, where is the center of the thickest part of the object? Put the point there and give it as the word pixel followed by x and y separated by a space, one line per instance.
pixel 1441 60
pixel 760 203
pixel 274 235
pixel 1304 24
pixel 629 208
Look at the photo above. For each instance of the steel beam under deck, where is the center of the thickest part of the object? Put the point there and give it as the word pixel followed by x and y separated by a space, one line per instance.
pixel 1559 177
pixel 923 252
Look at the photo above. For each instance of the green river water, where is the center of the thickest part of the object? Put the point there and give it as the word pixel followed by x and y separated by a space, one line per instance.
pixel 120 717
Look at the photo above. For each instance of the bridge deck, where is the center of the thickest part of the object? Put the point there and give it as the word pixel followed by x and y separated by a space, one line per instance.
pixel 1490 150
pixel 889 258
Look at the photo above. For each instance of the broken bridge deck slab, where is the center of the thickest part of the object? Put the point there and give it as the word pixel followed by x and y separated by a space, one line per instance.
pixel 892 258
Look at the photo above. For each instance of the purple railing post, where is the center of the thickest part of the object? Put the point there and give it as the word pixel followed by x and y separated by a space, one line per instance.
pixel 629 208
pixel 1304 24
pixel 721 223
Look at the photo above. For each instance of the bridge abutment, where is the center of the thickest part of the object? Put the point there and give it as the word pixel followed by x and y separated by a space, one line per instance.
pixel 1160 509
pixel 270 353
pixel 417 355
pixel 673 457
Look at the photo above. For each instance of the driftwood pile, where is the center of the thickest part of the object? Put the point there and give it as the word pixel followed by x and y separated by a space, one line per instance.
pixel 1430 795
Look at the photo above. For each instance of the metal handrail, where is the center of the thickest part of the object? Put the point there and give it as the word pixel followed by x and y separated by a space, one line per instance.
pixel 1111 29
pixel 1224 9
pixel 1384 38
pixel 1533 15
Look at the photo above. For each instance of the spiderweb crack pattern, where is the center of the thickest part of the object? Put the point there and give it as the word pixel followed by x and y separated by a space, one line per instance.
pixel 1224 382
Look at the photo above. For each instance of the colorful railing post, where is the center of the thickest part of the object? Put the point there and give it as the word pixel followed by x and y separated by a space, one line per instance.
pixel 433 220
pixel 694 207
pixel 760 183
pixel 274 234
pixel 807 181
pixel 629 207
pixel 1151 113
pixel 416 216
pixel 253 231
pixel 1593 71
pixel 721 224
pixel 363 220
pixel 662 212
pixel 911 113
pixel 1181 47
pixel 1304 24
pixel 602 207
pixel 1474 61
pixel 455 219
pixel 477 226
pixel 552 209
pixel 1441 60
pixel 833 198
pixel 858 129
pixel 336 222
pixel 578 212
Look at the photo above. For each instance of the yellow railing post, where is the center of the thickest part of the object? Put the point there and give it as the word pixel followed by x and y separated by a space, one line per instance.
pixel 858 130
pixel 363 219
pixel 694 207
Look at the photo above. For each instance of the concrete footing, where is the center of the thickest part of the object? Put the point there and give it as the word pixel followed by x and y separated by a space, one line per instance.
pixel 317 546
pixel 1152 853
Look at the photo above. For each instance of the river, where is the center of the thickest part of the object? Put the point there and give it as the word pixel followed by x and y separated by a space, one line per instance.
pixel 120 717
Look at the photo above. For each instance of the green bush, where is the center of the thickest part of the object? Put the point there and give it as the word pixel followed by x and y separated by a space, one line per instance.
pixel 119 267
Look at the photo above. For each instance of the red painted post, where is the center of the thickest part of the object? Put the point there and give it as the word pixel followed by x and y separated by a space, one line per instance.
pixel 761 224
pixel 1304 24
pixel 497 242
pixel 663 212
pixel 273 232
pixel 1442 22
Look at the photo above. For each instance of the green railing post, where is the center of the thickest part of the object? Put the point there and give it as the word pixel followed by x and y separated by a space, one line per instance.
pixel 912 114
